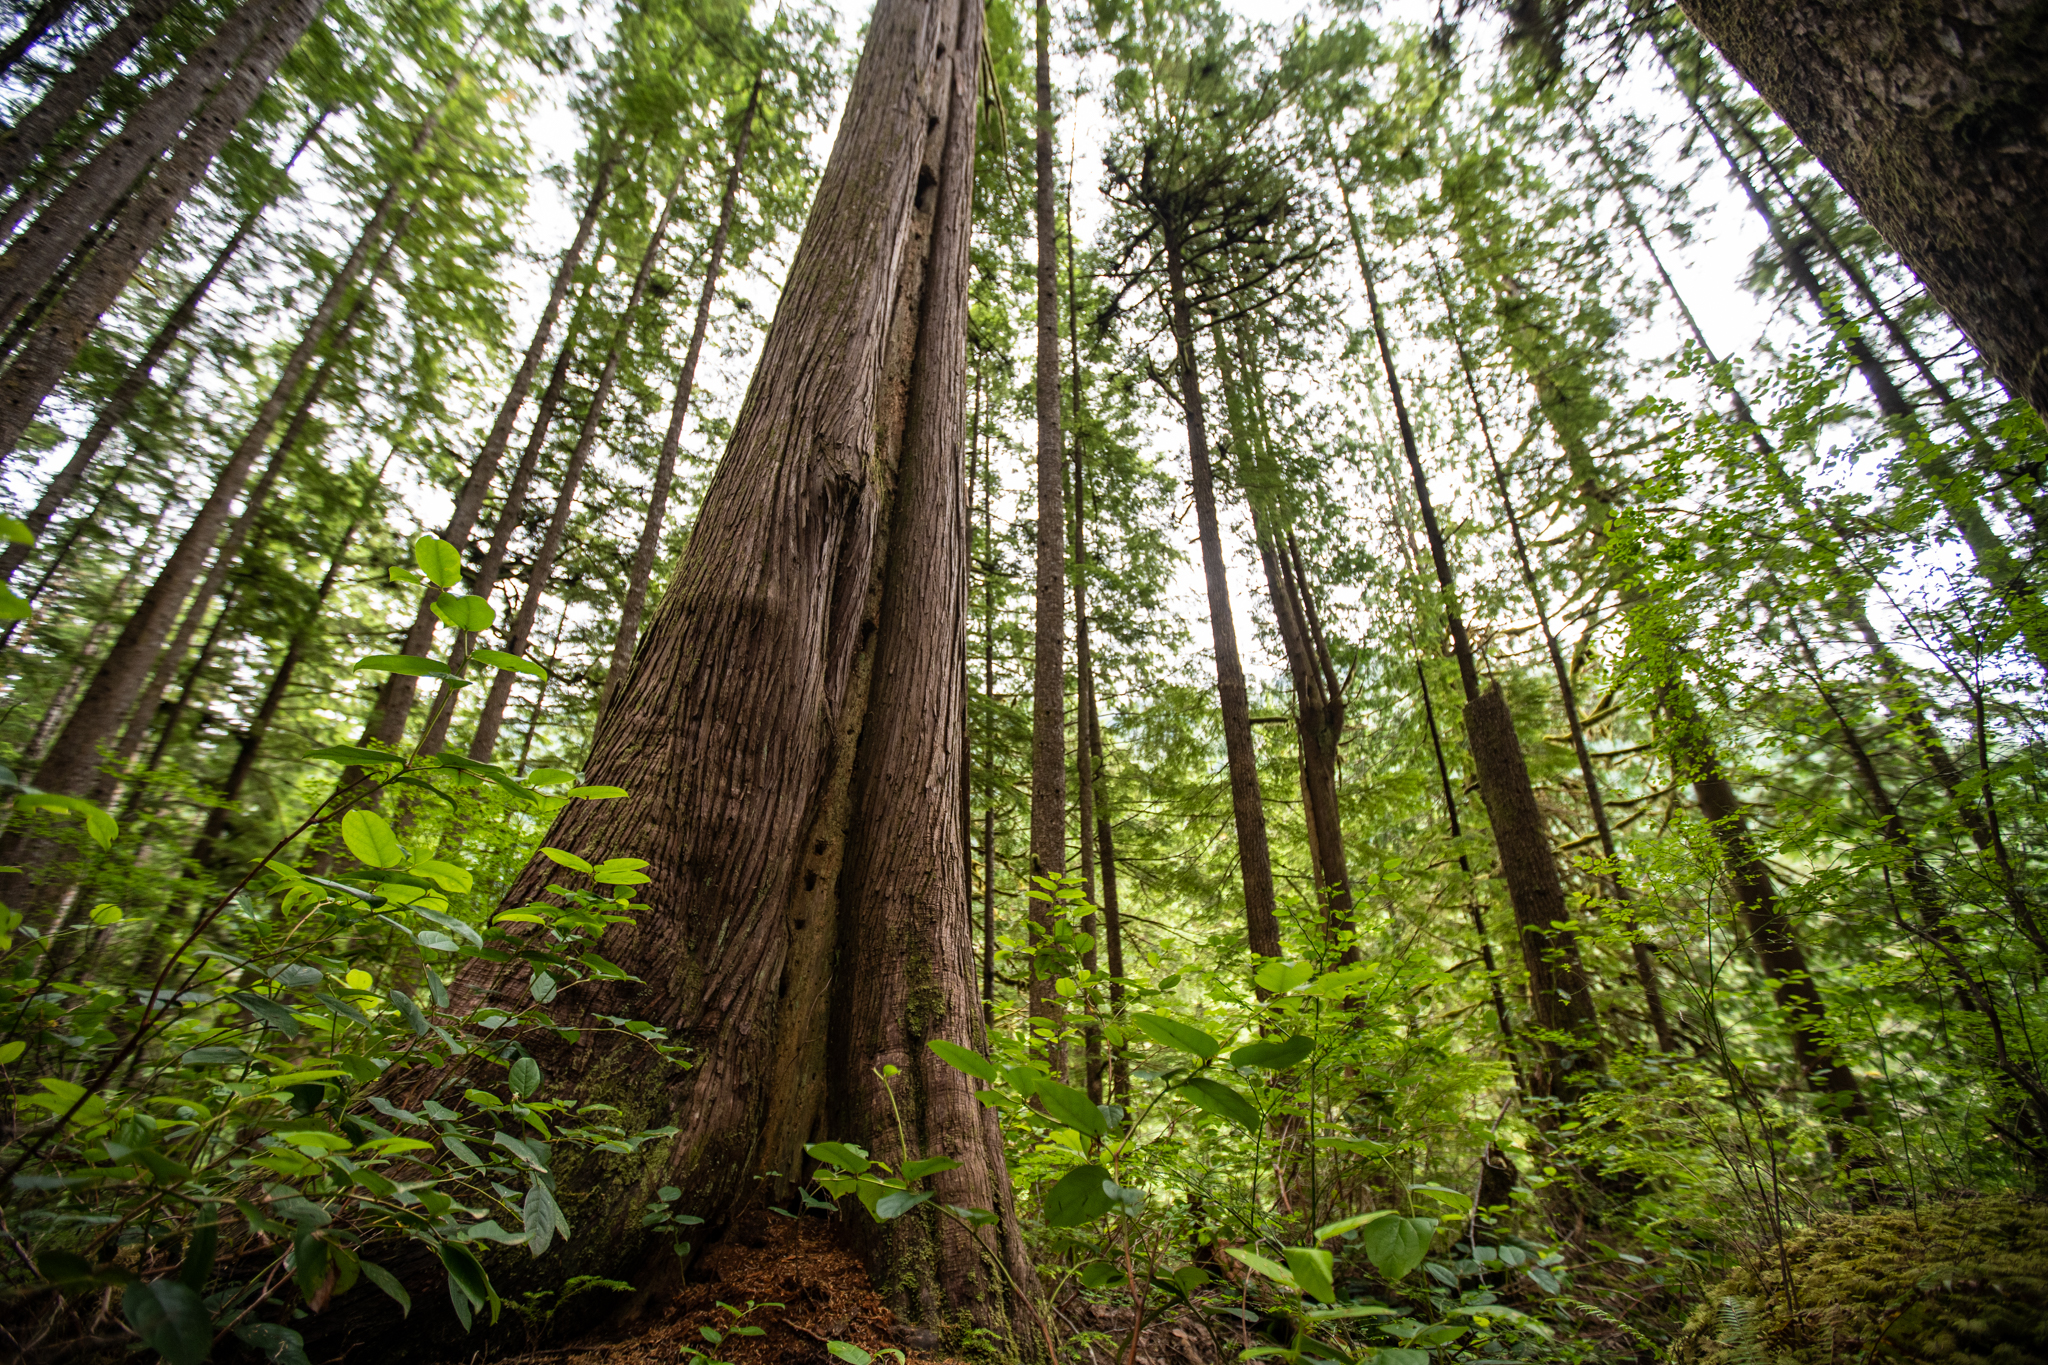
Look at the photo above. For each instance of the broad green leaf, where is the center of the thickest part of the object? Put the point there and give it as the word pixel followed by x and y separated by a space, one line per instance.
pixel 549 777
pixel 371 839
pixel 15 530
pixel 269 1012
pixel 1078 1197
pixel 466 1272
pixel 98 824
pixel 850 1353
pixel 1220 1100
pixel 524 1078
pixel 1275 1054
pixel 442 564
pixel 386 1281
pixel 565 859
pixel 1097 1274
pixel 843 1155
pixel 171 1318
pixel 1314 1271
pixel 1395 1246
pixel 472 614
pixel 931 1165
pixel 542 1218
pixel 10 1051
pixel 511 663
pixel 279 1344
pixel 596 793
pixel 361 758
pixel 1072 1107
pixel 1351 1224
pixel 409 1010
pixel 966 1059
pixel 898 1203
pixel 1279 1274
pixel 1398 1355
pixel 1174 1034
pixel 1443 1194
pixel 1282 977
pixel 447 876
pixel 409 664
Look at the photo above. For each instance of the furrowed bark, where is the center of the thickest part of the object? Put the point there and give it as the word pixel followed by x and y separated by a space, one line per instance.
pixel 634 606
pixel 729 730
pixel 68 93
pixel 1929 116
pixel 61 227
pixel 122 401
pixel 1048 652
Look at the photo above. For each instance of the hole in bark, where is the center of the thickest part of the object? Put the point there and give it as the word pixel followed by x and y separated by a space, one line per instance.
pixel 810 882
pixel 926 182
pixel 820 847
pixel 801 923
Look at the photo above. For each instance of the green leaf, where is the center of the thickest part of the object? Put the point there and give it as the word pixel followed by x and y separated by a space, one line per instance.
pixel 1279 1274
pixel 466 1272
pixel 1220 1100
pixel 565 859
pixel 15 530
pixel 1064 1104
pixel 67 1270
pixel 472 614
pixel 13 606
pixel 268 1012
pixel 1351 1224
pixel 369 898
pixel 279 1344
pixel 409 664
pixel 1079 1197
pixel 966 1059
pixel 1314 1271
pixel 549 777
pixel 898 1203
pixel 447 876
pixel 1097 1274
pixel 542 1218
pixel 361 758
pixel 1275 1054
pixel 596 793
pixel 525 1078
pixel 409 1010
pixel 844 1156
pixel 441 563
pixel 931 1165
pixel 1282 977
pixel 10 1051
pixel 850 1353
pixel 98 824
pixel 1395 1246
pixel 1443 1194
pixel 1174 1034
pixel 171 1318
pixel 370 838
pixel 511 663
pixel 1398 1355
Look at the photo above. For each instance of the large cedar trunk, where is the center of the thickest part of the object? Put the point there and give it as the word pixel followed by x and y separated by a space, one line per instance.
pixel 795 676
pixel 1930 117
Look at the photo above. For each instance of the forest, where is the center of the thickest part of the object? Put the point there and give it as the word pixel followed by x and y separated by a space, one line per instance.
pixel 1135 682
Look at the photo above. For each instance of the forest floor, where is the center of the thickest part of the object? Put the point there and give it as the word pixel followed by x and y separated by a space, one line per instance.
pixel 798 1281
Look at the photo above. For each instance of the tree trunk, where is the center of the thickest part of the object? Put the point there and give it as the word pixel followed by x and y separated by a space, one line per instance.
pixel 71 766
pixel 393 704
pixel 122 401
pixel 1247 806
pixel 69 93
pixel 988 810
pixel 1048 650
pixel 1930 118
pixel 642 571
pixel 736 735
pixel 484 742
pixel 34 25
pixel 510 518
pixel 1770 933
pixel 57 231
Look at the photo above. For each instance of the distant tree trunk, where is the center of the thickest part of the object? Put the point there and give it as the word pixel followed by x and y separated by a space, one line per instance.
pixel 1048 650
pixel 122 401
pixel 484 742
pixel 34 25
pixel 1930 118
pixel 393 704
pixel 634 605
pixel 511 517
pixel 736 735
pixel 988 693
pixel 36 255
pixel 1318 691
pixel 1770 933
pixel 69 93
pixel 61 332
pixel 1084 755
pixel 1247 805
pixel 74 759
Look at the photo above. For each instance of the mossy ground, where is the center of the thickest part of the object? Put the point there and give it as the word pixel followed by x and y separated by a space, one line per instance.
pixel 1961 1284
